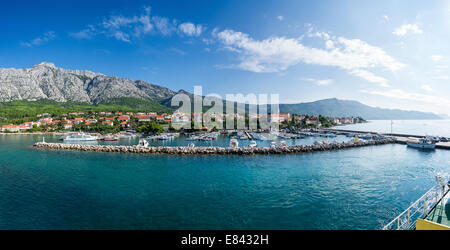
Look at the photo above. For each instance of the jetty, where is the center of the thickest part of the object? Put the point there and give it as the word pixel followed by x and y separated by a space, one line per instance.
pixel 399 138
pixel 214 150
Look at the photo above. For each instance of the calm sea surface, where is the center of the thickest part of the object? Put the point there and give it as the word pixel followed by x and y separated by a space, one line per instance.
pixel 412 127
pixel 360 188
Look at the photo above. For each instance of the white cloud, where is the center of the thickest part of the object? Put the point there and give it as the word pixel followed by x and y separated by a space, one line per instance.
pixel 164 25
pixel 400 94
pixel 324 82
pixel 404 29
pixel 426 87
pixel 277 54
pixel 46 37
pixel 178 51
pixel 125 28
pixel 88 33
pixel 190 29
pixel 280 18
pixel 119 35
pixel 370 77
pixel 437 58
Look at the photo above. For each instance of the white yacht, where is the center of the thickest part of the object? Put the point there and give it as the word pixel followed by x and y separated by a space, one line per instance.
pixel 234 143
pixel 253 144
pixel 80 137
pixel 143 143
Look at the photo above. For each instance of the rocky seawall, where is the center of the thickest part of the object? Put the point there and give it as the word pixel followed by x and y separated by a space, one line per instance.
pixel 212 150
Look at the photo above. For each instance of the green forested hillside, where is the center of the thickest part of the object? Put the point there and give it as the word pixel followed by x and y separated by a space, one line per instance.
pixel 22 111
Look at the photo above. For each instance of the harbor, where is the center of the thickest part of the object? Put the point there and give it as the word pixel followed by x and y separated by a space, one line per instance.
pixel 238 142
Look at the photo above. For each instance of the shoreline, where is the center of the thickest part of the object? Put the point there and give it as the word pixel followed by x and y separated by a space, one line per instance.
pixel 37 133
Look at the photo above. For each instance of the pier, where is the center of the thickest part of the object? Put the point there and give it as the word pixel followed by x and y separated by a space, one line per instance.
pixel 440 145
pixel 400 138
pixel 214 150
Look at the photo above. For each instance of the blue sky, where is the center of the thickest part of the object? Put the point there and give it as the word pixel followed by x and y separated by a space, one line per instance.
pixel 391 54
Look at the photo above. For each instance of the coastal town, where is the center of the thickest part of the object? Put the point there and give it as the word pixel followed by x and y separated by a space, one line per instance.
pixel 114 122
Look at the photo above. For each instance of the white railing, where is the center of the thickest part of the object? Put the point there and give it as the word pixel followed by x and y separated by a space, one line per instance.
pixel 419 209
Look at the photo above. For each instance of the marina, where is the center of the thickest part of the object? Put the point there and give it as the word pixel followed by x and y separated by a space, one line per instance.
pixel 254 140
pixel 234 148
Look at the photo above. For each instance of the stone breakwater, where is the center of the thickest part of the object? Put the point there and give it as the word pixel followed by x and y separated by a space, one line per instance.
pixel 212 150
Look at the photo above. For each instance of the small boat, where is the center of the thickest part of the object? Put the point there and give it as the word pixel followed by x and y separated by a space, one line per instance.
pixel 192 138
pixel 366 136
pixel 110 138
pixel 126 136
pixel 283 144
pixel 234 143
pixel 143 143
pixel 80 137
pixel 422 143
pixel 191 145
pixel 164 138
pixel 273 144
pixel 253 144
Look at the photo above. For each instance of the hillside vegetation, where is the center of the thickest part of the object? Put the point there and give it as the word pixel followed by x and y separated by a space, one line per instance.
pixel 23 111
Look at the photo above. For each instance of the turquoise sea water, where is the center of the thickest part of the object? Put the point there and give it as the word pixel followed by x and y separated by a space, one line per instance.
pixel 360 188
pixel 412 127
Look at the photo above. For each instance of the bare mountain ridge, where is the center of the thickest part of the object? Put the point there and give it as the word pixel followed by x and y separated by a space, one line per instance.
pixel 45 81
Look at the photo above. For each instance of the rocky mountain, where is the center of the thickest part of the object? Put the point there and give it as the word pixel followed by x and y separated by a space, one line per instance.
pixel 343 108
pixel 45 81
